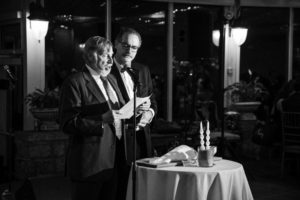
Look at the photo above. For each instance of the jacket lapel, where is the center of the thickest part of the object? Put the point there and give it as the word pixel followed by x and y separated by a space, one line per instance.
pixel 140 77
pixel 114 84
pixel 92 85
pixel 116 73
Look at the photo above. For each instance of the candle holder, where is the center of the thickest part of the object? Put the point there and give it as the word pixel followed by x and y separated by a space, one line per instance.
pixel 206 156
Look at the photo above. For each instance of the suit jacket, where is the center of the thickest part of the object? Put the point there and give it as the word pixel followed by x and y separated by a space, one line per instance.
pixel 144 89
pixel 92 143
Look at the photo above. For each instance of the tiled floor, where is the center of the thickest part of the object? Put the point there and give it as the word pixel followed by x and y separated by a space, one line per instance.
pixel 263 176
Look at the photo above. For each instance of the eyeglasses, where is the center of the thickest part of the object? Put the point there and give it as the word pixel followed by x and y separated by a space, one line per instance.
pixel 128 46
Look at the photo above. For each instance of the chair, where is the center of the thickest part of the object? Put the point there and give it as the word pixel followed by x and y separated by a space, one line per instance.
pixel 290 136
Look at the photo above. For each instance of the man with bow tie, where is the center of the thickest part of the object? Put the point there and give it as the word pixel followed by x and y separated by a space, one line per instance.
pixel 90 100
pixel 127 73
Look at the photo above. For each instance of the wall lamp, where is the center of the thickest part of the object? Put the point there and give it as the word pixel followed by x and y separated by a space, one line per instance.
pixel 238 33
pixel 38 19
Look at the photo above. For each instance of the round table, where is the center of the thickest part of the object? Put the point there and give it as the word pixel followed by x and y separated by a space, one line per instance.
pixel 225 180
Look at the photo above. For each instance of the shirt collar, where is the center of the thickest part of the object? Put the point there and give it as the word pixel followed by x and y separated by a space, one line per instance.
pixel 93 72
pixel 119 66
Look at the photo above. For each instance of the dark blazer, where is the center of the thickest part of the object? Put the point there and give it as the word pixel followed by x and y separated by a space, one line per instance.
pixel 92 144
pixel 145 88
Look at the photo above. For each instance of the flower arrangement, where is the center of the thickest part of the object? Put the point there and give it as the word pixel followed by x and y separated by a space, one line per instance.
pixel 40 99
pixel 244 91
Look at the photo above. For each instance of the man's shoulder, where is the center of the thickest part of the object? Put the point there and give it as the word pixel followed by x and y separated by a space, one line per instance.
pixel 139 65
pixel 75 77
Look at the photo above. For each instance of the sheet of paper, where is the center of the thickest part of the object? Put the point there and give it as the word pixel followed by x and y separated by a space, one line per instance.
pixel 127 110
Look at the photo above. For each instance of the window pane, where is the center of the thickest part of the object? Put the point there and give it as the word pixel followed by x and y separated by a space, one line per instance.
pixel 296 44
pixel 265 49
pixel 72 23
pixel 196 76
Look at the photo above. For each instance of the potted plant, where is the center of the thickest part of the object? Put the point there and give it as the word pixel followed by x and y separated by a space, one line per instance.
pixel 247 96
pixel 44 104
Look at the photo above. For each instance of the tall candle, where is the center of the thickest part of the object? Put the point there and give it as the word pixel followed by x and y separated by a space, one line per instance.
pixel 207 136
pixel 201 137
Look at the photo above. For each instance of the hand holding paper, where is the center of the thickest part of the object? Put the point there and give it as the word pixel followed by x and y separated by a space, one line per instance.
pixel 146 119
pixel 127 110
pixel 144 106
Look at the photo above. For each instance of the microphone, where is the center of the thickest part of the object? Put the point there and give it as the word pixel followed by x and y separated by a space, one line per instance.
pixel 11 76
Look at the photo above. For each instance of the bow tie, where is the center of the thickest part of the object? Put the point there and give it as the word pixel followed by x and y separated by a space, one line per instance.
pixel 124 69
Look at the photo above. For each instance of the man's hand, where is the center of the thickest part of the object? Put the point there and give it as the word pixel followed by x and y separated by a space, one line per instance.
pixel 111 116
pixel 145 119
pixel 144 107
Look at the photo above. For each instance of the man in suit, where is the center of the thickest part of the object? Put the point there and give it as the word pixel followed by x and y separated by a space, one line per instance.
pixel 88 114
pixel 127 43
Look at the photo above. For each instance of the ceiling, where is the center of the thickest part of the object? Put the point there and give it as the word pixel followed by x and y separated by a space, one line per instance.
pixel 93 11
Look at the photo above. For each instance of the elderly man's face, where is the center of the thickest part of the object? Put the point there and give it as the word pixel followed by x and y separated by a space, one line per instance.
pixel 102 63
pixel 127 48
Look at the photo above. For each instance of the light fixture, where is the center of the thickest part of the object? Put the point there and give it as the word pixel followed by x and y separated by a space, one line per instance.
pixel 38 19
pixel 239 35
pixel 232 15
pixel 216 37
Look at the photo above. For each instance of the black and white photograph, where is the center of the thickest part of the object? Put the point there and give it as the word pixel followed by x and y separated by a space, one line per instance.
pixel 149 99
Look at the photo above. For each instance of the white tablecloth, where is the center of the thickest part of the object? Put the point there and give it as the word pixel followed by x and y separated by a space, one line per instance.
pixel 226 180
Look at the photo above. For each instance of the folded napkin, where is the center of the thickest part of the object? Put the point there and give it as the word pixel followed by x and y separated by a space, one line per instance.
pixel 182 152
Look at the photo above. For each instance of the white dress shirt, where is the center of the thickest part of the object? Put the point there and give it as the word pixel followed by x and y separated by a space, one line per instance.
pixel 128 82
pixel 96 77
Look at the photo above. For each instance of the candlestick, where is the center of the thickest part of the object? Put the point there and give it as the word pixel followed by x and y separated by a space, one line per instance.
pixel 201 137
pixel 207 136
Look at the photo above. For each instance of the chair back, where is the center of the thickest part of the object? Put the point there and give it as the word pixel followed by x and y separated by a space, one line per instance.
pixel 290 128
pixel 208 110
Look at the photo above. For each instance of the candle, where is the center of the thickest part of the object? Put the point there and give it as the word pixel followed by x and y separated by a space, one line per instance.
pixel 207 136
pixel 201 137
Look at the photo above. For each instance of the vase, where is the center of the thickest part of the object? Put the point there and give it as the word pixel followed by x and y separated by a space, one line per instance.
pixel 46 118
pixel 45 114
pixel 246 124
pixel 243 107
